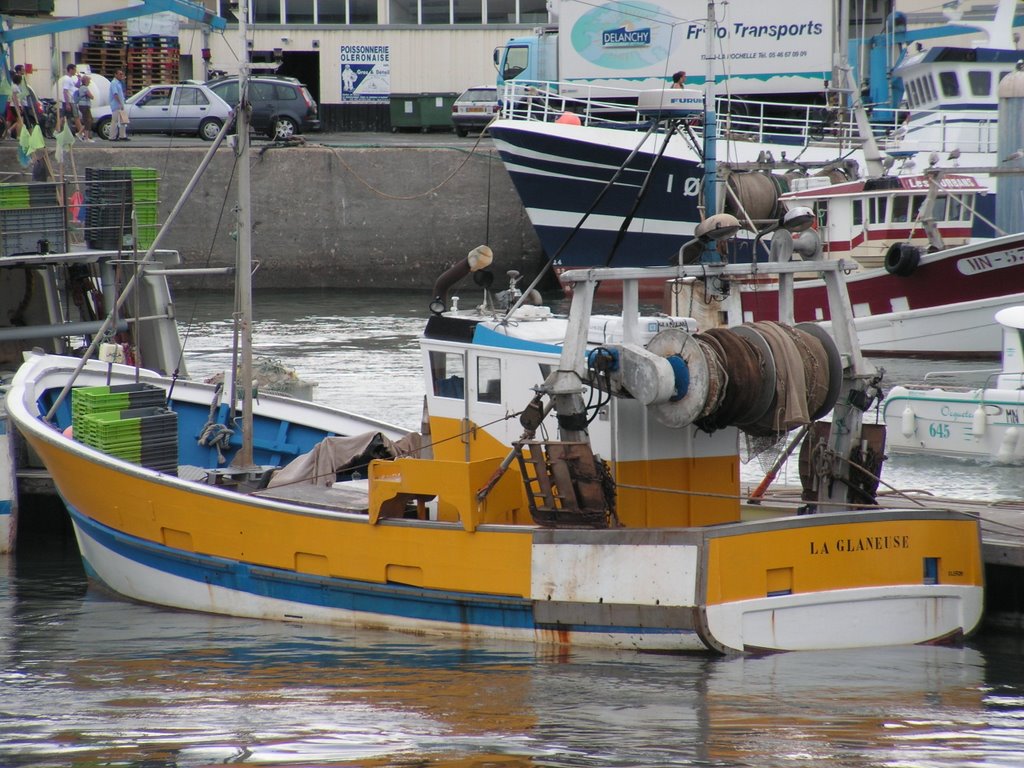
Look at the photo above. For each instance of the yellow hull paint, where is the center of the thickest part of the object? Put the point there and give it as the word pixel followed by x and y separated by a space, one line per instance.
pixel 842 556
pixel 324 544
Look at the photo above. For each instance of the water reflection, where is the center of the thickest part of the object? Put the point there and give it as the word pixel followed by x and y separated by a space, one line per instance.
pixel 88 680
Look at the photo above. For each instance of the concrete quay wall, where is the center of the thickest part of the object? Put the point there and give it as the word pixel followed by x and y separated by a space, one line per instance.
pixel 340 216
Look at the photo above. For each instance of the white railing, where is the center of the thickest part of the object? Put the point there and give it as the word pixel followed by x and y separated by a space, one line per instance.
pixel 757 121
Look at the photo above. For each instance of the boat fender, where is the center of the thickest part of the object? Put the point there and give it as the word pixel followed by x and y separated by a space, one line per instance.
pixel 908 424
pixel 902 259
pixel 979 422
pixel 1008 446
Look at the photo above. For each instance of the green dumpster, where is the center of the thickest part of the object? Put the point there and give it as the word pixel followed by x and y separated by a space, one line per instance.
pixel 405 112
pixel 422 111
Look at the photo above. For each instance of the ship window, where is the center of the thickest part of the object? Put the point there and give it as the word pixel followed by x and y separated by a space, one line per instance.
pixel 858 212
pixel 980 82
pixel 915 96
pixel 488 380
pixel 965 208
pixel 931 89
pixel 448 373
pixel 949 83
pixel 915 208
pixel 939 209
pixel 899 208
pixel 954 209
pixel 878 208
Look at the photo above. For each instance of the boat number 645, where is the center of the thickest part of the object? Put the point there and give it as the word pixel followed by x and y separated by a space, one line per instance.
pixel 938 430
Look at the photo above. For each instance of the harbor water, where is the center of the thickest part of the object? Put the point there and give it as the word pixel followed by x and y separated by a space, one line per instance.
pixel 88 680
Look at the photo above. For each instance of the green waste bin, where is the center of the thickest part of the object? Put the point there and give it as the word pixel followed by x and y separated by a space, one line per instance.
pixel 422 111
pixel 436 109
pixel 405 112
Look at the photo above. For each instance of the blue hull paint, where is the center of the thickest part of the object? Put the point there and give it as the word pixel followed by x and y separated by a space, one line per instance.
pixel 385 600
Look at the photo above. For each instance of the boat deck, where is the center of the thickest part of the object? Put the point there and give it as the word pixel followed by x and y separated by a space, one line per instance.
pixel 347 497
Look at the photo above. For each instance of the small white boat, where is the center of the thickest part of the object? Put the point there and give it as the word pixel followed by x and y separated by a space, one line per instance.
pixel 985 423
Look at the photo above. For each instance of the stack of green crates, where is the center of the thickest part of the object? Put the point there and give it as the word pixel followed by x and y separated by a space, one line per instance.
pixel 127 421
pixel 146 202
pixel 145 189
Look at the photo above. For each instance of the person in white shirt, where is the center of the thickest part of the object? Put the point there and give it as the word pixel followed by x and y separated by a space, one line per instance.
pixel 68 99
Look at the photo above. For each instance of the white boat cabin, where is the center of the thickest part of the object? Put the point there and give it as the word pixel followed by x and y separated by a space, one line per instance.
pixel 866 218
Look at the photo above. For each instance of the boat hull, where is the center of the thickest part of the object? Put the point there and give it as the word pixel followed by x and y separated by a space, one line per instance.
pixel 980 424
pixel 943 308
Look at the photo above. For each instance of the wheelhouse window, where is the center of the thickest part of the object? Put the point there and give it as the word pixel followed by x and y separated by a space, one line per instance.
pixel 900 207
pixel 858 212
pixel 878 210
pixel 488 380
pixel 949 83
pixel 913 95
pixel 980 82
pixel 448 374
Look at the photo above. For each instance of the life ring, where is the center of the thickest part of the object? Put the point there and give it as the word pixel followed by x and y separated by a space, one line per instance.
pixel 902 259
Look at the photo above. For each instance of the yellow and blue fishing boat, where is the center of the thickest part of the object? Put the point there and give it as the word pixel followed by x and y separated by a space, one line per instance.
pixel 576 482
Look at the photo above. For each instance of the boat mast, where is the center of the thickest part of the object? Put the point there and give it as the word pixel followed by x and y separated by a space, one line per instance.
pixel 710 156
pixel 243 286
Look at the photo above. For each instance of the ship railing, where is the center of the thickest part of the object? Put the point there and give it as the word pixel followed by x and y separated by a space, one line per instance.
pixel 768 122
pixel 937 130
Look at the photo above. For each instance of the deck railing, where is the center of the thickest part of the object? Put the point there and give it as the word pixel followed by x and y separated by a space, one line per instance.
pixel 744 119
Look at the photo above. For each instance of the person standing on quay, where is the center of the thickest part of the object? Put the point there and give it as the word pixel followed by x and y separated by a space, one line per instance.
pixel 85 109
pixel 14 108
pixel 118 109
pixel 678 80
pixel 68 92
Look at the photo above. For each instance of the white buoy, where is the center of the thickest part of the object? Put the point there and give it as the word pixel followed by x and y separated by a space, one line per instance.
pixel 1008 446
pixel 908 423
pixel 979 422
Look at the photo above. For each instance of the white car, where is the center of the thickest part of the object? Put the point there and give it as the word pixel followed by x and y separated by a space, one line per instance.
pixel 183 108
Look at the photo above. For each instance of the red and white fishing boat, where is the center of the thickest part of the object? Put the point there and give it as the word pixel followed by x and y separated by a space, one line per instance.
pixel 919 286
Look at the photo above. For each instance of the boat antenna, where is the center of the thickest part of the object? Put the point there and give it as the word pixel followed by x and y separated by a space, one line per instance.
pixel 243 286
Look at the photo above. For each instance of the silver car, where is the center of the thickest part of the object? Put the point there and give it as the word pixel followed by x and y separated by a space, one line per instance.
pixel 185 108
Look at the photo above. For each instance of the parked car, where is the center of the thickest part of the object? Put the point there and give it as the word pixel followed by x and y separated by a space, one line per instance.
pixel 474 109
pixel 281 106
pixel 182 108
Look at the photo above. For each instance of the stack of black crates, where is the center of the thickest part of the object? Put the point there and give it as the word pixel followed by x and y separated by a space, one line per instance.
pixel 128 421
pixel 111 196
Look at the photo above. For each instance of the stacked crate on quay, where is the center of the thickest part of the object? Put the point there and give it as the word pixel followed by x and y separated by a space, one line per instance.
pixel 152 60
pixel 113 197
pixel 32 219
pixel 104 52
